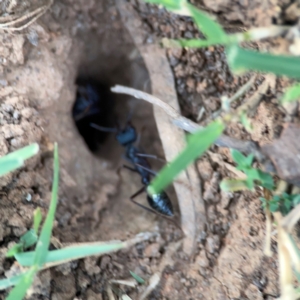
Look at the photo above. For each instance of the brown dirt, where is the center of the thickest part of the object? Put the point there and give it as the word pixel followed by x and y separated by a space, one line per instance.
pixel 37 91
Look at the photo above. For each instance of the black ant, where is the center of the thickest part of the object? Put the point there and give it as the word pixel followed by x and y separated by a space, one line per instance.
pixel 93 104
pixel 127 137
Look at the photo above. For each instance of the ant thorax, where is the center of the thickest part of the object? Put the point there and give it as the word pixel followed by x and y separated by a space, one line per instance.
pixel 127 136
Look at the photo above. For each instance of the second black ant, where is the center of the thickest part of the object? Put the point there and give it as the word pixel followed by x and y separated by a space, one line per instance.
pixel 127 137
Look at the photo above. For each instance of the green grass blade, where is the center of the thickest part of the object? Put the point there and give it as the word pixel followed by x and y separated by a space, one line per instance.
pixel 44 239
pixel 19 291
pixel 236 38
pixel 16 159
pixel 173 5
pixel 210 28
pixel 11 281
pixel 8 165
pixel 238 157
pixel 26 259
pixel 14 250
pixel 291 94
pixel 29 238
pixel 198 143
pixel 37 219
pixel 241 60
pixel 138 278
pixel 23 153
pixel 192 43
pixel 233 185
pixel 246 122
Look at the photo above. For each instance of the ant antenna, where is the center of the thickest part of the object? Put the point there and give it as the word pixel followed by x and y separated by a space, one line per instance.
pixel 130 114
pixel 105 129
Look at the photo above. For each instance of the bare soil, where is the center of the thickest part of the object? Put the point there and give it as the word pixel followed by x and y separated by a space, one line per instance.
pixel 38 69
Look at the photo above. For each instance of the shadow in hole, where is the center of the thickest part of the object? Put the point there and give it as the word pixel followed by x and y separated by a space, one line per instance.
pixel 94 104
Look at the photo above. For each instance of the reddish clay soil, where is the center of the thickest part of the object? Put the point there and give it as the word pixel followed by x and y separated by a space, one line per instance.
pixel 38 69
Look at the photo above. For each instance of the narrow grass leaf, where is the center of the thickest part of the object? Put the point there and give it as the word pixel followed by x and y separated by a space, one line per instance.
pixel 246 122
pixel 251 35
pixel 238 157
pixel 210 28
pixel 198 143
pixel 291 94
pixel 14 250
pixel 241 60
pixel 26 259
pixel 23 153
pixel 169 4
pixel 233 185
pixel 29 239
pixel 37 219
pixel 8 165
pixel 19 291
pixel 192 43
pixel 11 281
pixel 139 279
pixel 44 239
pixel 16 159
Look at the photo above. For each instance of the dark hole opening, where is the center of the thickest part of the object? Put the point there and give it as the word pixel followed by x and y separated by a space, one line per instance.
pixel 94 103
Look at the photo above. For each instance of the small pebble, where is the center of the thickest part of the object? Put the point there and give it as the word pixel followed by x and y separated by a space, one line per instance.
pixel 28 197
pixel 152 250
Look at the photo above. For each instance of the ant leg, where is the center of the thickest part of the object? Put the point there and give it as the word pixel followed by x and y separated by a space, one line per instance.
pixel 139 204
pixel 151 156
pixel 105 129
pixel 147 169
pixel 130 168
pixel 151 210
pixel 125 167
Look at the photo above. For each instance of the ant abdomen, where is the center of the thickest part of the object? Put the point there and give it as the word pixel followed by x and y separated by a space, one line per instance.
pixel 161 203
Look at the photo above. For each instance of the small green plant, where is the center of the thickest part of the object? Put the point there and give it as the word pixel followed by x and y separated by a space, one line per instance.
pixel 292 94
pixel 41 258
pixel 254 176
pixel 283 203
pixel 240 60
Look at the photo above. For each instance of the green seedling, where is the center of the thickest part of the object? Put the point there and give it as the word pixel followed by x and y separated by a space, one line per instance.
pixel 292 94
pixel 283 203
pixel 26 241
pixel 29 238
pixel 254 176
pixel 41 258
pixel 138 279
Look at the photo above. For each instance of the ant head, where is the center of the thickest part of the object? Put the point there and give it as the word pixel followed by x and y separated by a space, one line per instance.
pixel 127 135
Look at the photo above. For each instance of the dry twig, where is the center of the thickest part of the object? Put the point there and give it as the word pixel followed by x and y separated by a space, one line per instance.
pixel 17 20
pixel 246 147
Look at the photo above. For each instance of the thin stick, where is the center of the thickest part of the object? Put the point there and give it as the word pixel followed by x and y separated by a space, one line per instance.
pixel 246 147
pixel 119 89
